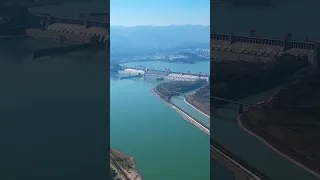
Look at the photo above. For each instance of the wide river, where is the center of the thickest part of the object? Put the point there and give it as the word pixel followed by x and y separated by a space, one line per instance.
pixel 297 17
pixel 53 114
pixel 164 144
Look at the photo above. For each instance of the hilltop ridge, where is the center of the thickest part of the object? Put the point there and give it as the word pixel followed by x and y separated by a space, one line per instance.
pixel 148 39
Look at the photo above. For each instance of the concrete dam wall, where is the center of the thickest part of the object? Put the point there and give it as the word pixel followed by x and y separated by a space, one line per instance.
pixel 70 30
pixel 167 74
pixel 257 49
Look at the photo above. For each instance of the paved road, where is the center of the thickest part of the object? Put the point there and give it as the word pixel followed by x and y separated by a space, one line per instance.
pixel 253 175
pixel 119 175
pixel 118 166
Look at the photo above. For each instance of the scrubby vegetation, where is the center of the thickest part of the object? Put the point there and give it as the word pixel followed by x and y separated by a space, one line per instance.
pixel 292 125
pixel 174 88
pixel 201 99
pixel 239 79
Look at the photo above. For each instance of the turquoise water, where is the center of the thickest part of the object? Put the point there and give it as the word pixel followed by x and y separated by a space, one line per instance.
pixel 179 101
pixel 164 145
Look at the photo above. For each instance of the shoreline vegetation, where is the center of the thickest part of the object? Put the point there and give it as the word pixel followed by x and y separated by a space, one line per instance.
pixel 170 89
pixel 291 128
pixel 166 96
pixel 239 79
pixel 124 165
pixel 200 100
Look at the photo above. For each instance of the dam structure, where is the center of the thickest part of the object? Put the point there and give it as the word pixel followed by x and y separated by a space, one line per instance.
pixel 77 31
pixel 253 48
pixel 17 21
pixel 165 74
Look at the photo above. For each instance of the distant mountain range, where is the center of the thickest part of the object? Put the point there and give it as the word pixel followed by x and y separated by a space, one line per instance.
pixel 148 39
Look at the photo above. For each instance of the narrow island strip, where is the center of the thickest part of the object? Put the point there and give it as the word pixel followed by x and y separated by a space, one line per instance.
pixel 122 166
pixel 200 100
pixel 188 118
pixel 187 101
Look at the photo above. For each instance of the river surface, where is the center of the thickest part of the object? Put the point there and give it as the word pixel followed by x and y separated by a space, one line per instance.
pixel 163 144
pixel 179 101
pixel 145 127
pixel 53 114
pixel 297 17
pixel 226 131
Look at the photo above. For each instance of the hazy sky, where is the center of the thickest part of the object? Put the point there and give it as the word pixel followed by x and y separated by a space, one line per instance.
pixel 159 12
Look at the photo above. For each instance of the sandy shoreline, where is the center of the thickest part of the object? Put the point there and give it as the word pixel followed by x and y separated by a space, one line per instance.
pixel 242 126
pixel 183 114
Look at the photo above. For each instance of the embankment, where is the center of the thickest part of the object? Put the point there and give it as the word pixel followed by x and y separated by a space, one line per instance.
pixel 186 100
pixel 238 167
pixel 251 78
pixel 278 146
pixel 185 115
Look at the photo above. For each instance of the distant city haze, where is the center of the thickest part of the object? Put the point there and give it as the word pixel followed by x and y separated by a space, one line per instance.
pixel 159 12
pixel 148 39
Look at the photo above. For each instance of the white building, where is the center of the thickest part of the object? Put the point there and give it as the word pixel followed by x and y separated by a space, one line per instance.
pixel 185 77
pixel 132 72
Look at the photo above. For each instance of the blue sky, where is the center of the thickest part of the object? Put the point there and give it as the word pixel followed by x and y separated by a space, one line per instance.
pixel 159 12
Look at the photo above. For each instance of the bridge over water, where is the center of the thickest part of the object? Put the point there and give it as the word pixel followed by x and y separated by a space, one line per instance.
pixel 240 104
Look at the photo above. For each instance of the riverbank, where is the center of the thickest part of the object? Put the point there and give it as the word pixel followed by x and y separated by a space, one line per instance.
pixel 165 150
pixel 237 167
pixel 291 127
pixel 251 128
pixel 232 77
pixel 125 164
pixel 186 100
pixel 201 104
pixel 238 171
pixel 185 116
